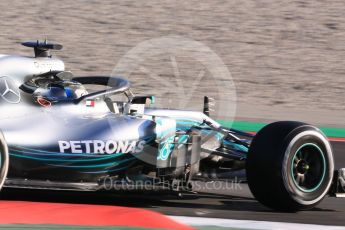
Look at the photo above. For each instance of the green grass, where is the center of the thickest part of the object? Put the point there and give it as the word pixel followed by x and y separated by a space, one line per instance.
pixel 256 126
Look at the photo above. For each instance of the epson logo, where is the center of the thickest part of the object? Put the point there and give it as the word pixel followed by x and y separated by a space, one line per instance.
pixel 101 147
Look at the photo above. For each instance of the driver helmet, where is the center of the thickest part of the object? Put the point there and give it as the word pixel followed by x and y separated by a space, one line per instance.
pixel 59 92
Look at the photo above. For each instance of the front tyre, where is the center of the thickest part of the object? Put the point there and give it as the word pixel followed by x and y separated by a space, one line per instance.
pixel 289 166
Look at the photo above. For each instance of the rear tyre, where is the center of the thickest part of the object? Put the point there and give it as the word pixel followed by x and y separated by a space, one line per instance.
pixel 4 160
pixel 289 166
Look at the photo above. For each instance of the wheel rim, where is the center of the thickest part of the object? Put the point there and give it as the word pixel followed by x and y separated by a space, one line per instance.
pixel 308 167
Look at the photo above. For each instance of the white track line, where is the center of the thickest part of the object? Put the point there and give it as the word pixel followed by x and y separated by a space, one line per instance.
pixel 250 224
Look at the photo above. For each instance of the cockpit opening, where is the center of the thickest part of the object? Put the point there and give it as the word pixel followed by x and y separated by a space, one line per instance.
pixel 50 88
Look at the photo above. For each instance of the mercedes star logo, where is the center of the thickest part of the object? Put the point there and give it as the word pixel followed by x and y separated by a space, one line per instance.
pixel 9 91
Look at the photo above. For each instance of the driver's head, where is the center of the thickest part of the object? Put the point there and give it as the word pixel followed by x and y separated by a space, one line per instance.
pixel 57 92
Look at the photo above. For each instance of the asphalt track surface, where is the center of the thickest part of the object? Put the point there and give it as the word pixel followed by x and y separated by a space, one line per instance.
pixel 227 201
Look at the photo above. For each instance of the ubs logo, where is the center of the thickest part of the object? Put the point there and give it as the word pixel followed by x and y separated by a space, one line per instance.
pixel 9 91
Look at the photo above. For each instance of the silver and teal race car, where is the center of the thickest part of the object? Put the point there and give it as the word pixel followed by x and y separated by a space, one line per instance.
pixel 58 134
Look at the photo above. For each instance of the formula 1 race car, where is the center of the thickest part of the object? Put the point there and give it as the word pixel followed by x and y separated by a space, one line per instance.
pixel 57 134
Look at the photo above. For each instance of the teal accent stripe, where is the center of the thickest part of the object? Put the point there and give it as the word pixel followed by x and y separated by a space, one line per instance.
pixel 100 158
pixel 21 149
pixel 256 126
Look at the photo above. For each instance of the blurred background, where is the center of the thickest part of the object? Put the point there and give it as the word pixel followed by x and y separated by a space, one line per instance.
pixel 287 58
